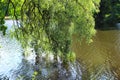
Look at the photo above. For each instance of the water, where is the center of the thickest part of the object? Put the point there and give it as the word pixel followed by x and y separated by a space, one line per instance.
pixel 103 55
pixel 99 60
pixel 12 61
pixel 10 54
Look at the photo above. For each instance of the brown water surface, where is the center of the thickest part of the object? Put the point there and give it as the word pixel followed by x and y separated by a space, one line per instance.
pixel 102 55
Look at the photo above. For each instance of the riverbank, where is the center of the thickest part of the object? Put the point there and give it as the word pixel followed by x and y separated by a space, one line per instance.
pixel 8 18
pixel 108 27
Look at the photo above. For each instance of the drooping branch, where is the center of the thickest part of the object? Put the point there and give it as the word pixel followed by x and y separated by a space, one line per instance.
pixel 54 21
pixel 6 12
pixel 81 5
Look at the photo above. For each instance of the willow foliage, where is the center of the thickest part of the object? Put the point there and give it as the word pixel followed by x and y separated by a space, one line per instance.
pixel 50 24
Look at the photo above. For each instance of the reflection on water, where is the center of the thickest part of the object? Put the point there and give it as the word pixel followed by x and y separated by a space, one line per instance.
pixel 12 63
pixel 10 55
pixel 102 57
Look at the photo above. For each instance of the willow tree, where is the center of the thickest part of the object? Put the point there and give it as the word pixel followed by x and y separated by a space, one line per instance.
pixel 50 24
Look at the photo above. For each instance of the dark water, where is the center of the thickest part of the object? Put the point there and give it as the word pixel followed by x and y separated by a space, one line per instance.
pixel 99 60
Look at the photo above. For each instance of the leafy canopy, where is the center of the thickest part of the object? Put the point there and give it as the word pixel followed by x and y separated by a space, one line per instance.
pixel 50 24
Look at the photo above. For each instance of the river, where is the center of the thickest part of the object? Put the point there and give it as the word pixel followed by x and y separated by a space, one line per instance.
pixel 102 55
pixel 99 60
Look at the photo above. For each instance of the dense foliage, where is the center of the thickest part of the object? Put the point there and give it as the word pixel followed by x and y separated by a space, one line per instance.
pixel 3 11
pixel 9 8
pixel 50 24
pixel 109 13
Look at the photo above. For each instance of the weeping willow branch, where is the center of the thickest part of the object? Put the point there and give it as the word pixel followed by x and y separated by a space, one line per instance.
pixel 7 7
pixel 22 11
pixel 14 10
pixel 81 5
pixel 51 23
